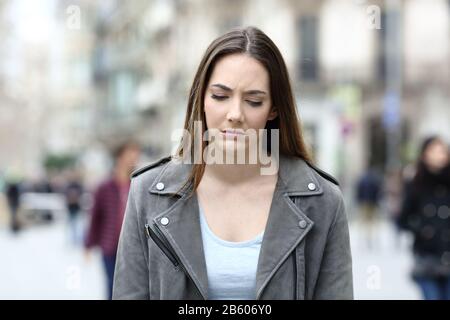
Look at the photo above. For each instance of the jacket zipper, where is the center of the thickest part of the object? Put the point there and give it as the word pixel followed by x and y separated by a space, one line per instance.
pixel 160 243
pixel 160 240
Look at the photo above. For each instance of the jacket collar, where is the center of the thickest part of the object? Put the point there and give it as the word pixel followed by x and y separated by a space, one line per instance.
pixel 297 176
pixel 287 223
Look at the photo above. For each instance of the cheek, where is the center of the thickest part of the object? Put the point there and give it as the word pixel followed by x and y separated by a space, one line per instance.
pixel 213 109
pixel 208 105
pixel 211 112
pixel 444 158
pixel 257 118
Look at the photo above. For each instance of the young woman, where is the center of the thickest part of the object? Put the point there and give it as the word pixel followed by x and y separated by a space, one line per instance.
pixel 426 213
pixel 214 230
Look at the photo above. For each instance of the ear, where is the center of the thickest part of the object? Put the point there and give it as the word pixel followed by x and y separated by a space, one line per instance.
pixel 273 114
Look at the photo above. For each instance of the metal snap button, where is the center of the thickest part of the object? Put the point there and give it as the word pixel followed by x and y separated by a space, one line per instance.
pixel 312 186
pixel 160 186
pixel 302 224
pixel 164 221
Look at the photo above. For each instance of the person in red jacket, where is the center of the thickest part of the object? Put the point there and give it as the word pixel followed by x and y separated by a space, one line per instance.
pixel 108 209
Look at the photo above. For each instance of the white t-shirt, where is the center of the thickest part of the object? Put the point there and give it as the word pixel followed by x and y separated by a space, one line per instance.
pixel 231 266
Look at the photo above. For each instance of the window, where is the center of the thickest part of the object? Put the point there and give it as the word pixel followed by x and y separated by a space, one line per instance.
pixel 121 93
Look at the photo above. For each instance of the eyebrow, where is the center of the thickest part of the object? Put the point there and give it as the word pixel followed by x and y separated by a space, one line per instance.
pixel 223 87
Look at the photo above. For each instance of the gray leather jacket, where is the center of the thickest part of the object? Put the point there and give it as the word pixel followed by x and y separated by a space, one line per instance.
pixel 305 253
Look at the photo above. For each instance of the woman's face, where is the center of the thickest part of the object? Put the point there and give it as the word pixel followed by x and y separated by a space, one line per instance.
pixel 238 97
pixel 436 155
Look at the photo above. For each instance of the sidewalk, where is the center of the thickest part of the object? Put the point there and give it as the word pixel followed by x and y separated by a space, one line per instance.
pixel 382 273
pixel 40 263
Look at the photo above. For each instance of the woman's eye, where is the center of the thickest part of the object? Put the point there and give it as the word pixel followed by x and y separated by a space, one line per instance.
pixel 216 97
pixel 254 103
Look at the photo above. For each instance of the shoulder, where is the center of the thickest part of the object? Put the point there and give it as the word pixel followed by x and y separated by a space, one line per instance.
pixel 331 191
pixel 151 168
pixel 304 179
pixel 146 182
pixel 323 174
pixel 105 185
pixel 143 178
pixel 330 203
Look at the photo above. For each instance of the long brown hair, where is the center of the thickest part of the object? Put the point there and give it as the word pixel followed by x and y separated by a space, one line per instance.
pixel 258 45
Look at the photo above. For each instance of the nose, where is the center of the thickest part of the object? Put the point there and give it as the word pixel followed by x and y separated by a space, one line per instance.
pixel 235 113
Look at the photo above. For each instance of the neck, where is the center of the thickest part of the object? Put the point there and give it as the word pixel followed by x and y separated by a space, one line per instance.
pixel 234 174
pixel 121 175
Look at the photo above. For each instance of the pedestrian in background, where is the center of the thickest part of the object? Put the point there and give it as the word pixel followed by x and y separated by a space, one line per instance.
pixel 74 192
pixel 13 191
pixel 109 206
pixel 368 194
pixel 426 213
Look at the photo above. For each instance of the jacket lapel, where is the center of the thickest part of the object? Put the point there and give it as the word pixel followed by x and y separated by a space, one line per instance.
pixel 287 224
pixel 184 234
pixel 183 228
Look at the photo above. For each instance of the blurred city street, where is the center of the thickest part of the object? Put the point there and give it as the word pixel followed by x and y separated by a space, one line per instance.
pixel 92 90
pixel 383 272
pixel 42 263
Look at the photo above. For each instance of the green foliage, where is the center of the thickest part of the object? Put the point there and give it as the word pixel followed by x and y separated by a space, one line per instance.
pixel 58 162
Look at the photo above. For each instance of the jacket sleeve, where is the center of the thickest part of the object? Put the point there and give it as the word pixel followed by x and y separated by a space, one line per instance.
pixel 335 280
pixel 407 218
pixel 131 278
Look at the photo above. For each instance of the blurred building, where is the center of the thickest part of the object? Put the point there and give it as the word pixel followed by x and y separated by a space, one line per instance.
pixel 75 131
pixel 133 68
pixel 370 77
pixel 46 96
pixel 342 56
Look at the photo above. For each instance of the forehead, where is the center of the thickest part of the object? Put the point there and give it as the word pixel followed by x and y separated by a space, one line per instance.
pixel 240 71
pixel 438 144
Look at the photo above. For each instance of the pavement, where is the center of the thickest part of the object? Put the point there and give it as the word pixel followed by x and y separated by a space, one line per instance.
pixel 381 271
pixel 41 262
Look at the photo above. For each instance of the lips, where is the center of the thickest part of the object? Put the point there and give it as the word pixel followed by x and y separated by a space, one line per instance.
pixel 233 131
